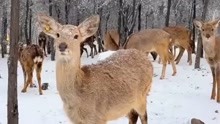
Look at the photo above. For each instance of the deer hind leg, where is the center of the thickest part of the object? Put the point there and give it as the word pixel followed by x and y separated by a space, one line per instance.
pixel 38 72
pixel 142 111
pixel 179 55
pixel 171 59
pixel 189 50
pixel 96 52
pixel 29 72
pixel 24 73
pixel 217 77
pixel 213 83
pixel 132 116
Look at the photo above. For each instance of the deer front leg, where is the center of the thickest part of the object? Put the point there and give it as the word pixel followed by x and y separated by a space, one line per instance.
pixel 38 71
pixel 214 83
pixel 217 77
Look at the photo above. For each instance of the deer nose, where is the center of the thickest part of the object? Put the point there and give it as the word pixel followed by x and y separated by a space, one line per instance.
pixel 207 35
pixel 62 47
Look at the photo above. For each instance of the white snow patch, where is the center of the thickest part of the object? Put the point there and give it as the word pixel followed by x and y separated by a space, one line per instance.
pixel 104 55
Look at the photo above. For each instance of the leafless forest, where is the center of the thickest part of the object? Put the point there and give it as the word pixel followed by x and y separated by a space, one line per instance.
pixel 128 16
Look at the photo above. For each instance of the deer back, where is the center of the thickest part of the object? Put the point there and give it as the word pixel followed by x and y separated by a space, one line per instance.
pixel 149 39
pixel 31 54
pixel 181 36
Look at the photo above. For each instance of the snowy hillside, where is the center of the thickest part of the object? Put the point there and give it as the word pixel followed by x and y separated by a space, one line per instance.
pixel 174 100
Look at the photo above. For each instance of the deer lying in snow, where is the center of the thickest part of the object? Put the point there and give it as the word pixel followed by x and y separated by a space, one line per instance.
pixel 182 39
pixel 211 45
pixel 95 94
pixel 31 57
pixel 148 40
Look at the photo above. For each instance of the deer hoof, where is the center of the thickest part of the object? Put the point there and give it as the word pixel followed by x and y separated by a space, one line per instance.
pixel 33 85
pixel 174 73
pixel 162 77
pixel 41 93
pixel 23 91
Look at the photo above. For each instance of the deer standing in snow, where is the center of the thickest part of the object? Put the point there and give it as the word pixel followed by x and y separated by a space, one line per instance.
pixel 31 57
pixel 148 40
pixel 182 39
pixel 211 45
pixel 95 94
pixel 42 40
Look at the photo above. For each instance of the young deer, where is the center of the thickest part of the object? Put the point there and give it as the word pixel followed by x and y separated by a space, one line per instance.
pixel 90 42
pixel 148 40
pixel 31 57
pixel 211 45
pixel 95 94
pixel 182 39
pixel 42 40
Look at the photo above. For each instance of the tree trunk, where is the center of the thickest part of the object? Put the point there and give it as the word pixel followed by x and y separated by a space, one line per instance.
pixel 168 13
pixel 26 23
pixel 139 17
pixel 194 29
pixel 51 40
pixel 12 64
pixel 30 24
pixel 99 32
pixel 67 10
pixel 199 42
pixel 4 32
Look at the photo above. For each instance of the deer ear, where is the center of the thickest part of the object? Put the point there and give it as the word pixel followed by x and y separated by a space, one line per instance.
pixel 49 25
pixel 198 24
pixel 216 23
pixel 89 27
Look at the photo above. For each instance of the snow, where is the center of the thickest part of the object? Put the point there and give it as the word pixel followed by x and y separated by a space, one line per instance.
pixel 174 100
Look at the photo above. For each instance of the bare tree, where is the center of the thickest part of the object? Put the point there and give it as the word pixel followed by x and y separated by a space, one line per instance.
pixel 199 42
pixel 12 63
pixel 168 13
pixel 4 31
pixel 126 21
pixel 26 23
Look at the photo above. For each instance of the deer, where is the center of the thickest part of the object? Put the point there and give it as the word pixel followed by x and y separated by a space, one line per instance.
pixel 107 90
pixel 89 41
pixel 211 45
pixel 147 40
pixel 182 39
pixel 42 40
pixel 31 57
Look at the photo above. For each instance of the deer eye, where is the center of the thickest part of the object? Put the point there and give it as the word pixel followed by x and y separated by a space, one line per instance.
pixel 76 36
pixel 212 29
pixel 203 29
pixel 58 35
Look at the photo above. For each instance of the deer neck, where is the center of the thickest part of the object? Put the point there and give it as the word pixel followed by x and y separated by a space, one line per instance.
pixel 209 47
pixel 68 75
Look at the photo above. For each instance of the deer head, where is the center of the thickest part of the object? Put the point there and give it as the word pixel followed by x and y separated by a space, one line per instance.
pixel 68 37
pixel 208 29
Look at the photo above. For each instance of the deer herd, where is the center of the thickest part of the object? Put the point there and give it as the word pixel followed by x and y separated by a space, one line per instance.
pixel 118 85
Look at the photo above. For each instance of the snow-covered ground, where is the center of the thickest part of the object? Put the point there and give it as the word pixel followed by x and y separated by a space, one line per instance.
pixel 174 100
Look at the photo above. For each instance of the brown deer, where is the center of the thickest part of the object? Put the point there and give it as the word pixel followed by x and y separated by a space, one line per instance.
pixel 182 39
pixel 31 57
pixel 211 45
pixel 89 41
pixel 42 40
pixel 148 40
pixel 95 94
